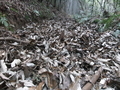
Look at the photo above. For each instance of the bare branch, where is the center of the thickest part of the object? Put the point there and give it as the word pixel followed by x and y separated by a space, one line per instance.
pixel 95 77
pixel 13 39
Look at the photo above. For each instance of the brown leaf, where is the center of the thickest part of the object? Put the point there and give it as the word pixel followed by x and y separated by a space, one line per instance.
pixel 40 86
pixel 75 85
pixel 32 88
pixel 3 76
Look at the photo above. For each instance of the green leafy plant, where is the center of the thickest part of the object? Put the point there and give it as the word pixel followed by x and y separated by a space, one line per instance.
pixel 116 33
pixel 37 12
pixel 109 22
pixel 13 9
pixel 81 18
pixel 3 20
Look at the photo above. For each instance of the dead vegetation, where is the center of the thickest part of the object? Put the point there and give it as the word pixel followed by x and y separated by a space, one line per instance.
pixel 59 54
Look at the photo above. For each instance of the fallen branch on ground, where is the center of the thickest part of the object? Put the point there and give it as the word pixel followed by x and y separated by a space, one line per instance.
pixel 95 77
pixel 13 39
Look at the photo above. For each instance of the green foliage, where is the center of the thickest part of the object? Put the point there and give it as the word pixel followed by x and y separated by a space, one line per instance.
pixel 44 14
pixel 37 12
pixel 109 22
pixel 47 14
pixel 82 18
pixel 3 20
pixel 13 9
pixel 116 33
pixel 96 21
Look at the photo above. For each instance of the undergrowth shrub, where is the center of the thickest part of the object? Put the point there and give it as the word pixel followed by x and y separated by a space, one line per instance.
pixel 3 20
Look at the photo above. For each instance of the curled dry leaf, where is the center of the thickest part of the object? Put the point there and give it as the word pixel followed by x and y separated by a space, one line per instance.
pixel 3 66
pixel 15 62
pixel 117 57
pixel 40 86
pixel 46 59
pixel 72 78
pixel 75 85
pixel 103 60
pixel 3 76
pixel 50 80
pixel 103 82
pixel 30 64
pixel 43 70
pixel 22 88
pixel 27 83
pixel 2 54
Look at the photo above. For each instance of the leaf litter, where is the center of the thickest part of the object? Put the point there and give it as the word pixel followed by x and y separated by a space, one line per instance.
pixel 59 54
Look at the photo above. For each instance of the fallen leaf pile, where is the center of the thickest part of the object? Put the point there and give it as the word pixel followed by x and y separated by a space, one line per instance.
pixel 59 55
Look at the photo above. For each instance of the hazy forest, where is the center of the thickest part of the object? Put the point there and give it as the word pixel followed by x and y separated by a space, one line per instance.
pixel 59 44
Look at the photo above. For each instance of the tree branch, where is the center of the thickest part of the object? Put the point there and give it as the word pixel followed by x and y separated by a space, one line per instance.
pixel 13 39
pixel 95 77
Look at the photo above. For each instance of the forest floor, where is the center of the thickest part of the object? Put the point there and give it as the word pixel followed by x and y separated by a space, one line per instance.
pixel 40 50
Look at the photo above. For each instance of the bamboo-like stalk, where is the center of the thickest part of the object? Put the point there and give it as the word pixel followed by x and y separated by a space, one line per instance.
pixel 95 77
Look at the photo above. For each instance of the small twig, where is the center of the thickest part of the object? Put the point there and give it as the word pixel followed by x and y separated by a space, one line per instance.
pixel 95 77
pixel 13 39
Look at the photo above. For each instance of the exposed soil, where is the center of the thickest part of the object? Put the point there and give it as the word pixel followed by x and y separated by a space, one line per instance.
pixel 20 12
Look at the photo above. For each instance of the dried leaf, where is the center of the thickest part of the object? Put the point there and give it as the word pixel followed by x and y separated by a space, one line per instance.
pixel 46 59
pixel 76 85
pixel 2 54
pixel 103 60
pixel 15 62
pixel 30 64
pixel 23 88
pixel 43 70
pixel 27 83
pixel 117 57
pixel 3 66
pixel 40 86
pixel 3 76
